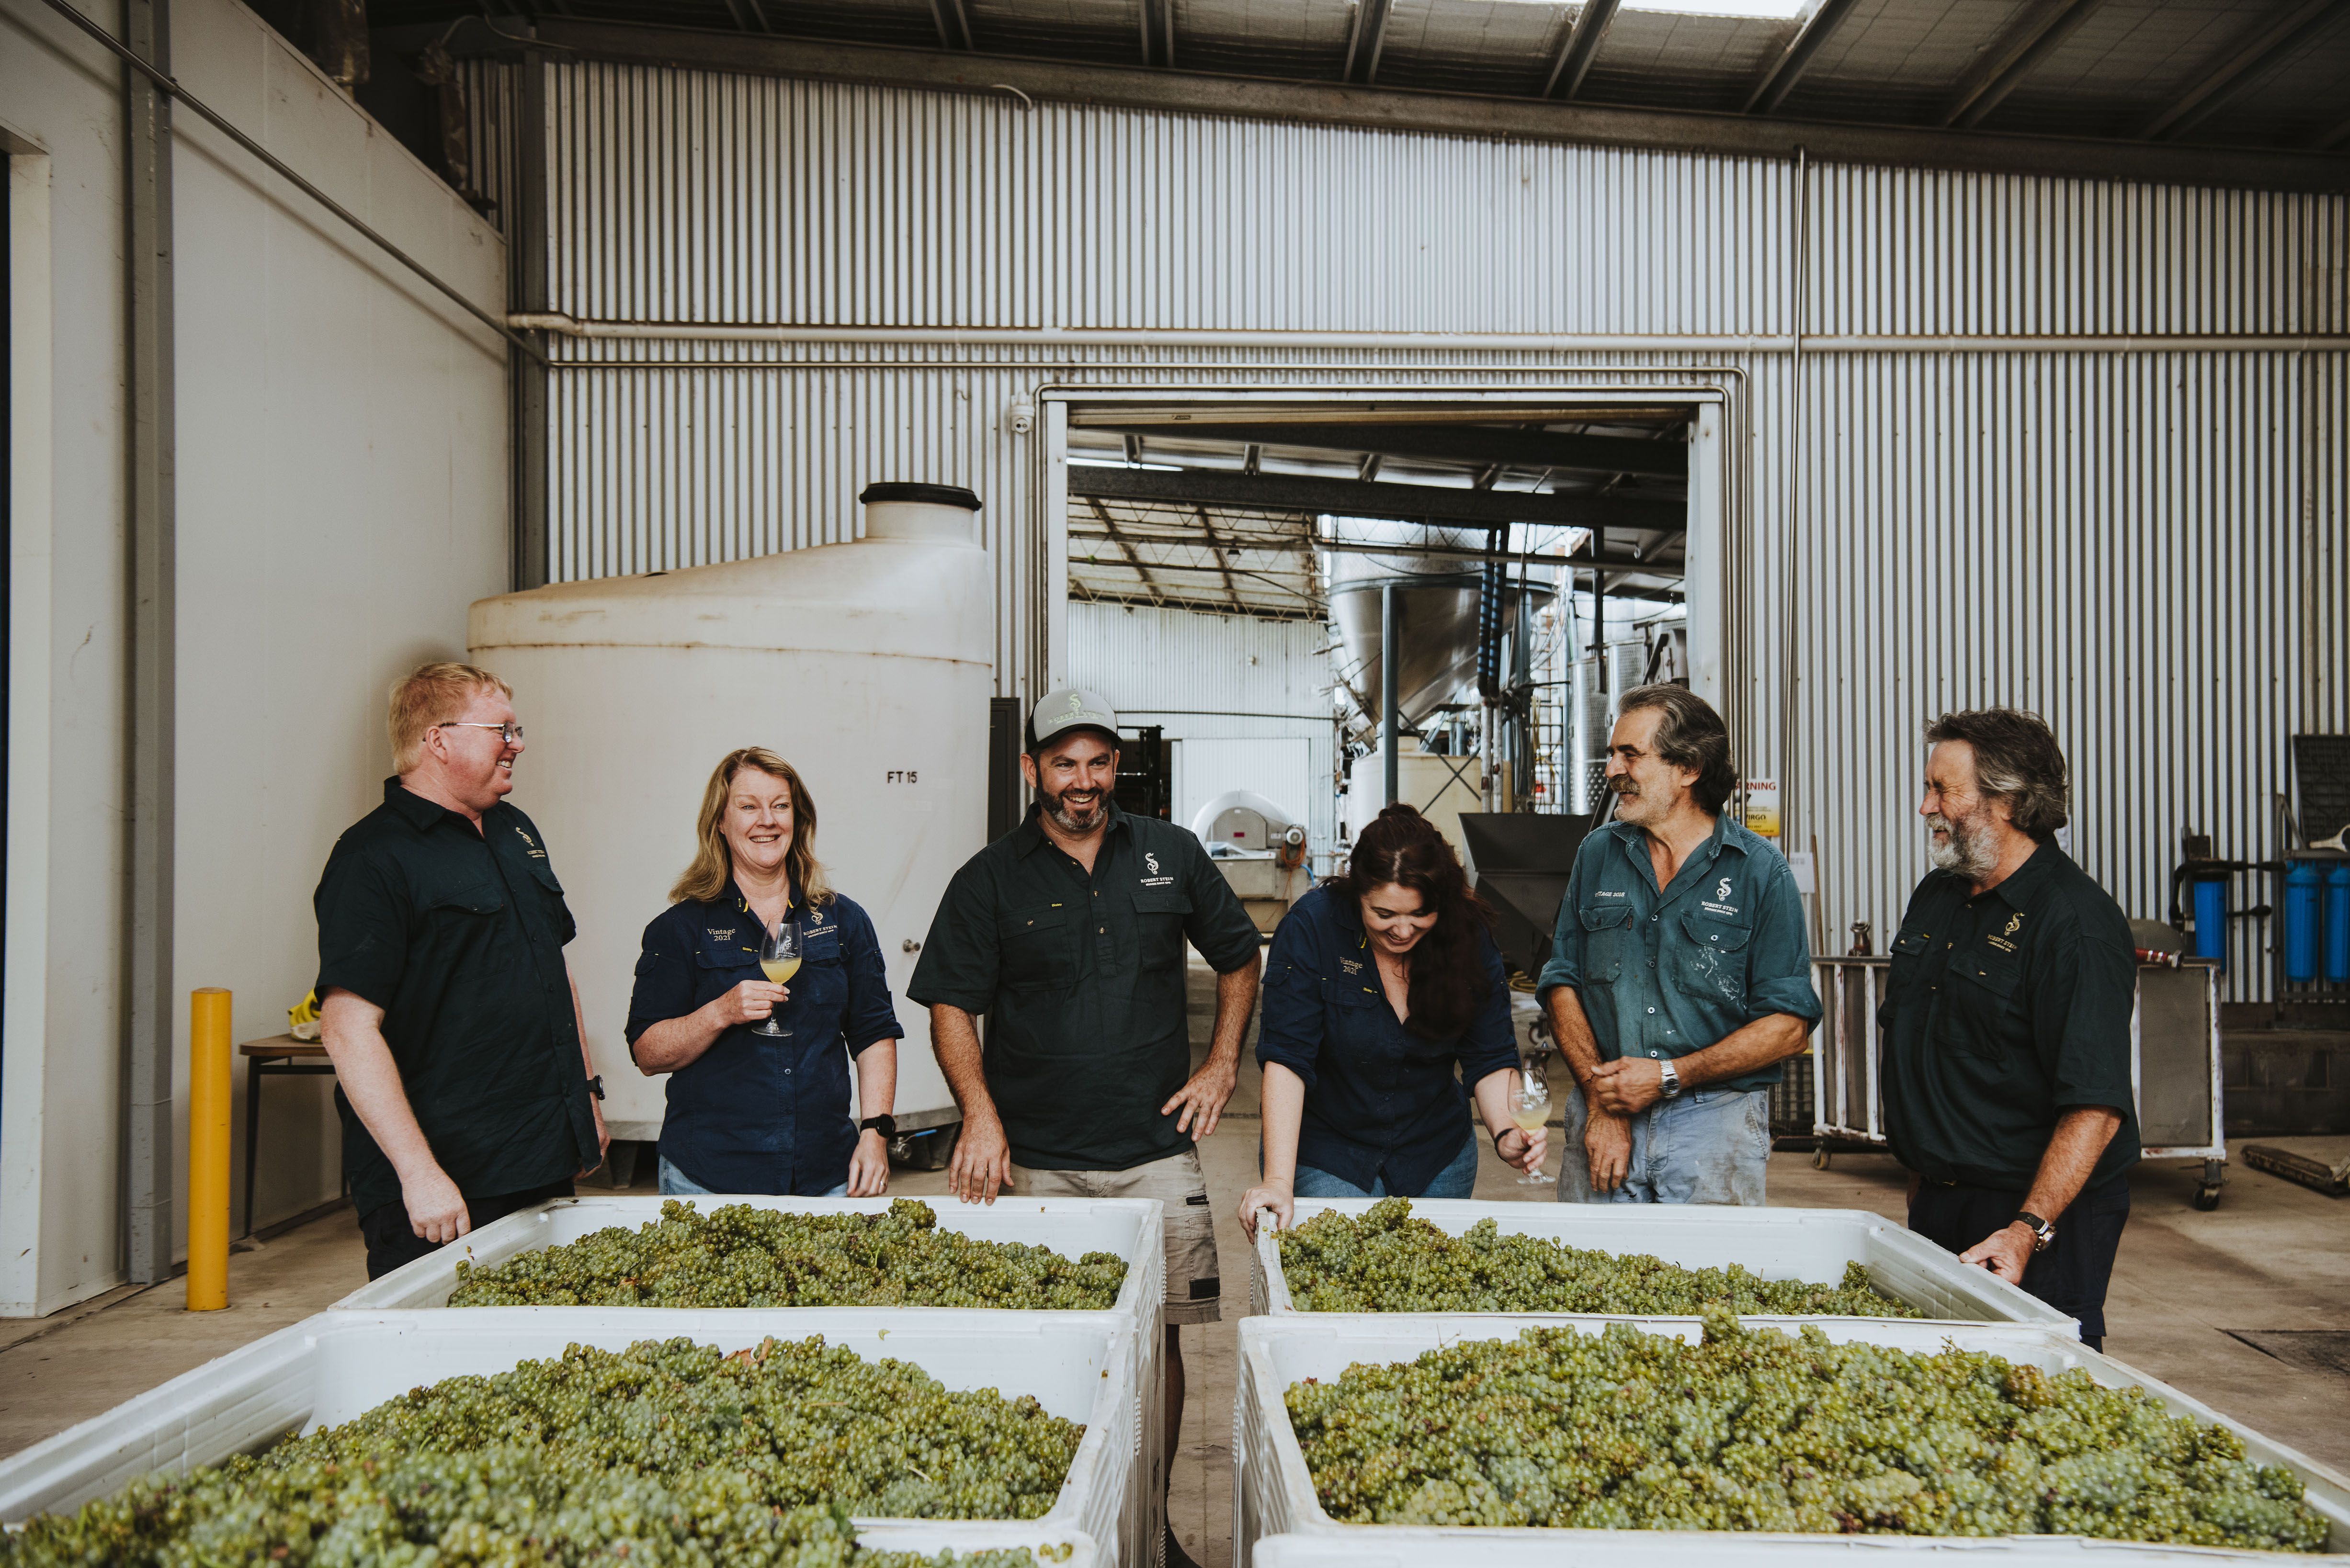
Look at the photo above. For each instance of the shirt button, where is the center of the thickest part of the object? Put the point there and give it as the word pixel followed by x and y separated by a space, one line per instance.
pixel 1652 964
pixel 1652 1010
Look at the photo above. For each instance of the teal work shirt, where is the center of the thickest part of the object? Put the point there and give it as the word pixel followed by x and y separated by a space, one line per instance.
pixel 1663 972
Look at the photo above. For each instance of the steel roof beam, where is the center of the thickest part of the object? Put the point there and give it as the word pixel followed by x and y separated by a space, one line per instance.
pixel 1369 37
pixel 1216 548
pixel 1119 539
pixel 1796 58
pixel 1613 561
pixel 1372 498
pixel 953 24
pixel 1447 443
pixel 2244 69
pixel 2044 28
pixel 1581 46
pixel 1438 114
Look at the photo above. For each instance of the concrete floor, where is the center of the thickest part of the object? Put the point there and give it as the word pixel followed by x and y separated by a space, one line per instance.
pixel 2271 1257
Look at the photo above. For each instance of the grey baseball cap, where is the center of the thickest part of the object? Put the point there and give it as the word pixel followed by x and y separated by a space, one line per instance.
pixel 1071 707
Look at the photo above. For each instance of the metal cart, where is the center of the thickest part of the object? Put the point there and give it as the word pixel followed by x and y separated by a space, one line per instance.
pixel 2175 1074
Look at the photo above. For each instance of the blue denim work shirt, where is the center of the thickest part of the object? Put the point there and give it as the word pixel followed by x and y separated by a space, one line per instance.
pixel 1664 973
pixel 1378 1096
pixel 754 1113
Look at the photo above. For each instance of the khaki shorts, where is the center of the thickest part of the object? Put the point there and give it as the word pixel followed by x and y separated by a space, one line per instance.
pixel 1193 1290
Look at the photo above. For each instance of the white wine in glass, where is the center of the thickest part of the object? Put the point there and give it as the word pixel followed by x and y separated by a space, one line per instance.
pixel 779 959
pixel 1529 1108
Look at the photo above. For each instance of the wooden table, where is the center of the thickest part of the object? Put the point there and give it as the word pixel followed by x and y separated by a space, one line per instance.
pixel 280 1055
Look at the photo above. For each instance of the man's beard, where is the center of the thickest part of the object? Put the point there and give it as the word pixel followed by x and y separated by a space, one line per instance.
pixel 1081 821
pixel 1630 801
pixel 1962 849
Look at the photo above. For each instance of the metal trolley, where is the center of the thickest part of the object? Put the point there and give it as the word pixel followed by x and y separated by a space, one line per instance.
pixel 2175 1073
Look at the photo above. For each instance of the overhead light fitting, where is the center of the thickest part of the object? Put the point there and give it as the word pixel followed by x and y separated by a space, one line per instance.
pixel 1767 10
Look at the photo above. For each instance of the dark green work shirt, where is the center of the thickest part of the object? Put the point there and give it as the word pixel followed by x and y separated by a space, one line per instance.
pixel 458 936
pixel 1082 980
pixel 2002 1012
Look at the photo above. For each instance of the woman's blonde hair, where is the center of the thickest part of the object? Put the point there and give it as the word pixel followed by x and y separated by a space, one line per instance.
pixel 428 695
pixel 705 879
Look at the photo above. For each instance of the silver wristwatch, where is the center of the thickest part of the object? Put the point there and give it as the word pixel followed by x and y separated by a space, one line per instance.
pixel 1672 1080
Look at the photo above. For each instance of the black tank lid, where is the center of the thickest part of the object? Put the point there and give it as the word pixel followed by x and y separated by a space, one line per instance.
pixel 929 495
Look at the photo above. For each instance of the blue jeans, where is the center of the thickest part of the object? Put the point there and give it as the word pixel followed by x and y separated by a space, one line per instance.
pixel 675 1183
pixel 1708 1146
pixel 1458 1179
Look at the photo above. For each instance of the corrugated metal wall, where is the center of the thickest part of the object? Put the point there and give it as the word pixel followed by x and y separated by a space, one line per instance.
pixel 2146 546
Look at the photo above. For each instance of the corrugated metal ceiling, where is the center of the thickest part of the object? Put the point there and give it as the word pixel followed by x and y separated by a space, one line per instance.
pixel 2120 64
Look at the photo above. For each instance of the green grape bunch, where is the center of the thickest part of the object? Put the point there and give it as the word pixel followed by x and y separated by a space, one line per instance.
pixel 1386 1260
pixel 743 1256
pixel 1756 1430
pixel 669 1452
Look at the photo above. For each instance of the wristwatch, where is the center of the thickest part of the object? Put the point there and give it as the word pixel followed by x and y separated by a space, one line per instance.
pixel 596 1086
pixel 1671 1081
pixel 887 1126
pixel 2043 1232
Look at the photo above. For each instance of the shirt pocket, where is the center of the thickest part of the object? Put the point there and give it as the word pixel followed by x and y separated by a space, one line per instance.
pixel 1978 996
pixel 1033 945
pixel 1712 963
pixel 467 916
pixel 1606 942
pixel 1158 924
pixel 720 966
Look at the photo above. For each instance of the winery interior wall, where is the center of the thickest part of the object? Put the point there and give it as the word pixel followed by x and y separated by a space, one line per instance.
pixel 2146 545
pixel 341 498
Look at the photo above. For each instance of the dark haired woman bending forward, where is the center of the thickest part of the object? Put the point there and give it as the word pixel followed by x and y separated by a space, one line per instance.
pixel 1379 983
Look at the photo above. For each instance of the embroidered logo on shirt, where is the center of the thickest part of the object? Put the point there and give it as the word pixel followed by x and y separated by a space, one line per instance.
pixel 2014 926
pixel 1352 967
pixel 2000 941
pixel 1721 889
pixel 535 852
pixel 717 935
pixel 1152 861
pixel 1604 893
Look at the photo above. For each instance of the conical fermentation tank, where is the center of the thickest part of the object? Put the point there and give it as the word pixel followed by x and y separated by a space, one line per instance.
pixel 1437 598
pixel 866 666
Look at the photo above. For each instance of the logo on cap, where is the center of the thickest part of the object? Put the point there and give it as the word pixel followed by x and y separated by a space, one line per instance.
pixel 1076 702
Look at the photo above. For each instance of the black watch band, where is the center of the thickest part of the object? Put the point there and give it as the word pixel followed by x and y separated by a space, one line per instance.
pixel 596 1086
pixel 887 1126
pixel 2043 1232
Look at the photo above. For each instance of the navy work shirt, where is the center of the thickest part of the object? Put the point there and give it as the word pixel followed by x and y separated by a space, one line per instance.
pixel 755 1112
pixel 2003 1012
pixel 1081 976
pixel 457 933
pixel 1663 972
pixel 1378 1096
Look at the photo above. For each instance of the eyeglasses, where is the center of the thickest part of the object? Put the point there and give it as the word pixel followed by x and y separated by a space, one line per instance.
pixel 509 733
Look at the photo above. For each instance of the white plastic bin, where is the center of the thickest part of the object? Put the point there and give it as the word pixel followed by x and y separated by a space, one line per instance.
pixel 1273 1492
pixel 1402 1548
pixel 1812 1244
pixel 333 1366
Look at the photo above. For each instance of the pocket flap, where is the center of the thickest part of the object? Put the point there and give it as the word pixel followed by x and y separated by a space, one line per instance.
pixel 1713 935
pixel 485 899
pixel 1044 917
pixel 724 955
pixel 1162 903
pixel 1606 918
pixel 1350 993
pixel 1999 976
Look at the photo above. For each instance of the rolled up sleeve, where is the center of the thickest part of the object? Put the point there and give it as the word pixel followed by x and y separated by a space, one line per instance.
pixel 1290 1032
pixel 870 1015
pixel 1218 926
pixel 1565 965
pixel 2083 992
pixel 961 960
pixel 1490 1044
pixel 1779 961
pixel 664 987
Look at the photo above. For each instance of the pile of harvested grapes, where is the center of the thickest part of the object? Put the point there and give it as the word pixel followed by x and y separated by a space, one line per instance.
pixel 741 1256
pixel 1388 1261
pixel 667 1452
pixel 1755 1429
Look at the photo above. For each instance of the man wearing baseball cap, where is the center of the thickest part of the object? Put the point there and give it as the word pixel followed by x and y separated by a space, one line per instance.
pixel 1068 933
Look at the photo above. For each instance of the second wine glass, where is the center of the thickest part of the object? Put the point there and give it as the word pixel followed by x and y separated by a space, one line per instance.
pixel 1529 1108
pixel 779 958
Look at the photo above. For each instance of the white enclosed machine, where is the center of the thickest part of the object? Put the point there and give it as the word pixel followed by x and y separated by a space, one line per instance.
pixel 868 666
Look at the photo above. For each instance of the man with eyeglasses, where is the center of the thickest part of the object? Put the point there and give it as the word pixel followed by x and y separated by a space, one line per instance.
pixel 446 1005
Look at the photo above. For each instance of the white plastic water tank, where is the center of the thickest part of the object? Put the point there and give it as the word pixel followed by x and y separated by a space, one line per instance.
pixel 866 666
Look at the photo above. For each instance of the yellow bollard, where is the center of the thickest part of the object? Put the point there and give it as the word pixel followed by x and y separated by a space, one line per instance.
pixel 208 1099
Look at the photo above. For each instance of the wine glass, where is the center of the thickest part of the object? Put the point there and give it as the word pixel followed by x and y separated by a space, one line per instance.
pixel 779 957
pixel 1529 1108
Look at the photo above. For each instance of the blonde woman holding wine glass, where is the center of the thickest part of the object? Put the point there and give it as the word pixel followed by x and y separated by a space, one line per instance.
pixel 758 1085
pixel 1386 1015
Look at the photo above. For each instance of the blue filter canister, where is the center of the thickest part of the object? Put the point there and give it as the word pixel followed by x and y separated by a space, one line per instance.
pixel 2337 921
pixel 2212 917
pixel 2304 883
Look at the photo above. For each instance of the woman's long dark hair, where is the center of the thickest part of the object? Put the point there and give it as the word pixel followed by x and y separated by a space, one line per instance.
pixel 1448 974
